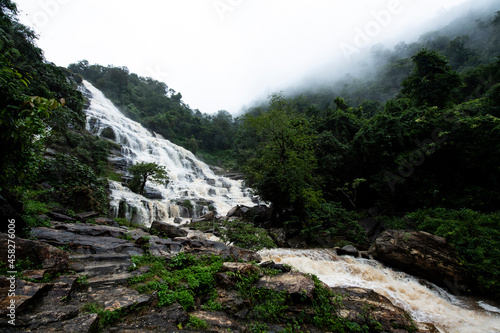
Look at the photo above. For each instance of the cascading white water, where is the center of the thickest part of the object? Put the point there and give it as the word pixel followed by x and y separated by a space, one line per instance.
pixel 448 313
pixel 190 179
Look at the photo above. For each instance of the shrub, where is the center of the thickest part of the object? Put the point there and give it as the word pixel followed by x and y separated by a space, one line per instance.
pixel 246 235
pixel 77 184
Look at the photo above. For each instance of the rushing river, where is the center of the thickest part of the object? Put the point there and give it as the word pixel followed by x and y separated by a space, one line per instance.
pixel 426 303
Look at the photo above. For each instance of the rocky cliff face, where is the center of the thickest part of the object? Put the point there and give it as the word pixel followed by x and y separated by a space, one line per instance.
pixel 82 279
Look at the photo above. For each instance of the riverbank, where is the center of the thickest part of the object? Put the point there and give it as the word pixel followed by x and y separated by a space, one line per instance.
pixel 82 277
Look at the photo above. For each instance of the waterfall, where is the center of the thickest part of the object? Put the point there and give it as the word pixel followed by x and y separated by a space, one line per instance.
pixel 193 186
pixel 424 301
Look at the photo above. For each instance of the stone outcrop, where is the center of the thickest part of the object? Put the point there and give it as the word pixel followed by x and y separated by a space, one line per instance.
pixel 421 254
pixel 168 230
pixel 40 255
pixel 294 284
pixel 360 304
pixel 348 250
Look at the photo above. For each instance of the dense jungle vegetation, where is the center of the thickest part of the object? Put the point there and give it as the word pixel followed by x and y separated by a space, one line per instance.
pixel 416 144
pixel 41 108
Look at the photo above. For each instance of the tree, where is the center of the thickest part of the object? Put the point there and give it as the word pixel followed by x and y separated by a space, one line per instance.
pixel 432 82
pixel 283 168
pixel 143 171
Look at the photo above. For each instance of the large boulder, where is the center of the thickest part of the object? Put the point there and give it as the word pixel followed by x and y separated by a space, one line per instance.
pixel 366 307
pixel 39 254
pixel 421 254
pixel 295 284
pixel 169 230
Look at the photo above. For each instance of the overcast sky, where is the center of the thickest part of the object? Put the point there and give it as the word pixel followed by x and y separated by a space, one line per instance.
pixel 225 54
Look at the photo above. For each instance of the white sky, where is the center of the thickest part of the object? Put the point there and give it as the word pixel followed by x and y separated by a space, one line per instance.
pixel 224 54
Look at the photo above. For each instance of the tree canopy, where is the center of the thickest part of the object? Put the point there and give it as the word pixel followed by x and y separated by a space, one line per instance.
pixel 432 82
pixel 144 171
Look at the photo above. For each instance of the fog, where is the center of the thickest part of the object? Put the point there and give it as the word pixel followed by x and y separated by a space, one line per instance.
pixel 228 54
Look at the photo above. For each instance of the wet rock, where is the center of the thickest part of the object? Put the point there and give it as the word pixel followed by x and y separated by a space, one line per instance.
pixel 61 217
pixel 106 221
pixel 364 254
pixel 152 194
pixel 361 305
pixel 237 211
pixel 88 239
pixel 108 133
pixel 372 227
pixel 118 298
pixel 210 216
pixel 258 214
pixel 348 250
pixel 41 255
pixel 175 313
pixel 294 284
pixel 26 294
pixel 279 267
pixel 278 236
pixel 297 242
pixel 243 254
pixel 422 254
pixel 218 319
pixel 239 267
pixel 168 230
pixel 82 217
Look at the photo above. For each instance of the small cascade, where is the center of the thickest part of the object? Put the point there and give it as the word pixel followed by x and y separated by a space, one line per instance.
pixel 193 189
pixel 424 301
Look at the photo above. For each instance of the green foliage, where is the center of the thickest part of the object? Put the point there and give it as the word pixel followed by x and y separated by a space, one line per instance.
pixel 34 100
pixel 212 304
pixel 350 190
pixel 183 279
pixel 475 237
pixel 197 323
pixel 282 169
pixel 331 218
pixel 245 235
pixel 106 317
pixel 327 307
pixel 82 281
pixel 269 305
pixel 76 184
pixel 432 82
pixel 89 149
pixel 144 171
